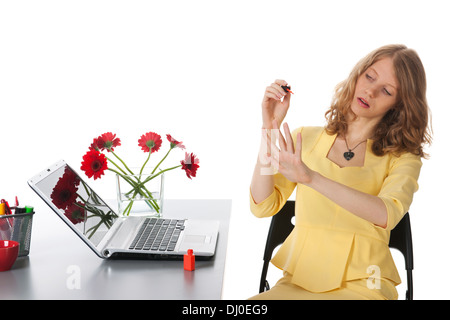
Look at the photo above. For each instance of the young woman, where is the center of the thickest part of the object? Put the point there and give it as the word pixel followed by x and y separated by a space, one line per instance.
pixel 355 179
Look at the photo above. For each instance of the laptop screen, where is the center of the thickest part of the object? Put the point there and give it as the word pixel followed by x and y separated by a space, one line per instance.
pixel 74 201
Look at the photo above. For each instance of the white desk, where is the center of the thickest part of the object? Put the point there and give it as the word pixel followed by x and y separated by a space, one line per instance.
pixel 59 261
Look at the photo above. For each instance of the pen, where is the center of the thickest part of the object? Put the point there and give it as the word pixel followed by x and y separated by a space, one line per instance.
pixel 287 89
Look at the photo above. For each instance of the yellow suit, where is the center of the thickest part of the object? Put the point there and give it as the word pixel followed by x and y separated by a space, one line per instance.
pixel 330 246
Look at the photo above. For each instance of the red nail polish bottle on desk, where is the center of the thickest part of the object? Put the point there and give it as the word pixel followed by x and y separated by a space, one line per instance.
pixel 189 260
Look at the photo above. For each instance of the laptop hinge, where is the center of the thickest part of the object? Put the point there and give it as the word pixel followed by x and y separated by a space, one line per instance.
pixel 104 243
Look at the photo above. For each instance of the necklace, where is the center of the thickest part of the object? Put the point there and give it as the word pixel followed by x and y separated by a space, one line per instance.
pixel 348 155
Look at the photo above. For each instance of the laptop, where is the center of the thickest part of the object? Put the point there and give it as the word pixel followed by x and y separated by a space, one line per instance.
pixel 112 236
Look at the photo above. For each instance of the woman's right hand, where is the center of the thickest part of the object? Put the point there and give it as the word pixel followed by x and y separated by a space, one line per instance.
pixel 275 104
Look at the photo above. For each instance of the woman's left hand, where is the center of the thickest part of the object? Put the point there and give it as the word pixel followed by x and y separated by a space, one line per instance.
pixel 287 159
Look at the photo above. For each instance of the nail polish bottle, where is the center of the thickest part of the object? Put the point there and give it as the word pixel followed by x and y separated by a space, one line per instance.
pixel 189 260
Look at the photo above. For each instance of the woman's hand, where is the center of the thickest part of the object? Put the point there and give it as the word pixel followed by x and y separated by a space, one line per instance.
pixel 287 159
pixel 275 104
pixel 274 108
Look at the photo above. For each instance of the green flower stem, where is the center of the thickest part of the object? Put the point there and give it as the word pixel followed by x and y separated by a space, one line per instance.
pixel 162 171
pixel 118 167
pixel 124 176
pixel 148 158
pixel 85 189
pixel 93 229
pixel 84 201
pixel 128 208
pixel 105 219
pixel 161 160
pixel 122 161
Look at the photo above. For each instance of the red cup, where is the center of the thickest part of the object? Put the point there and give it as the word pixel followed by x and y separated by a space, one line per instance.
pixel 8 254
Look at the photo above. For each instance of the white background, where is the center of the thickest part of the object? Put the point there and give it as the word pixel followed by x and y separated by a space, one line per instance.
pixel 72 70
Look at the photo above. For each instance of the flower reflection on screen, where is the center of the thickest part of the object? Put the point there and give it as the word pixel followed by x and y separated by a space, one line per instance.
pixel 80 204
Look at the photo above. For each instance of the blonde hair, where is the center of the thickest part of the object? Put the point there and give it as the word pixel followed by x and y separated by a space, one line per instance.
pixel 404 128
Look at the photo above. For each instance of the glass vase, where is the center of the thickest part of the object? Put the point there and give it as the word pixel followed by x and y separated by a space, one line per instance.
pixel 141 194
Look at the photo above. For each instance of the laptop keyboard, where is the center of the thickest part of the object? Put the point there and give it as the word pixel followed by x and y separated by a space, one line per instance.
pixel 158 234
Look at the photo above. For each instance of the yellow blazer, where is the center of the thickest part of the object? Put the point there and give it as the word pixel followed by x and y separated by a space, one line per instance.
pixel 330 245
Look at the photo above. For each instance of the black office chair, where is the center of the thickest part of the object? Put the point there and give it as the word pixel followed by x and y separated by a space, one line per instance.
pixel 281 226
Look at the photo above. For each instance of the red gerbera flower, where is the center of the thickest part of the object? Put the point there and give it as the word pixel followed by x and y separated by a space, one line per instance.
pixel 150 141
pixel 190 165
pixel 94 164
pixel 94 145
pixel 76 213
pixel 107 141
pixel 70 176
pixel 64 193
pixel 174 143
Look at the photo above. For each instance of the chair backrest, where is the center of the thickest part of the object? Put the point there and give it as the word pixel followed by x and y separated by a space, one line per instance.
pixel 281 226
pixel 401 239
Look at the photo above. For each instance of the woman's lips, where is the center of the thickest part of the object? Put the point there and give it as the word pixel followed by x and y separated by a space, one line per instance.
pixel 363 103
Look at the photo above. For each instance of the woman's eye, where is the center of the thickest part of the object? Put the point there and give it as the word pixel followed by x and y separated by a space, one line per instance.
pixel 368 76
pixel 387 92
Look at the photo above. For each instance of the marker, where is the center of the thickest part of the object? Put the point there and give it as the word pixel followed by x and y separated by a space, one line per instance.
pixel 287 89
pixel 6 210
pixel 19 210
pixel 5 232
pixel 28 209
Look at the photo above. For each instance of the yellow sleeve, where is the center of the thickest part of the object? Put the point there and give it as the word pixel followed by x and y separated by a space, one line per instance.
pixel 399 187
pixel 272 204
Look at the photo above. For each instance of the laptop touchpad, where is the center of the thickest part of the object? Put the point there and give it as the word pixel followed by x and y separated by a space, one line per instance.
pixel 194 238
